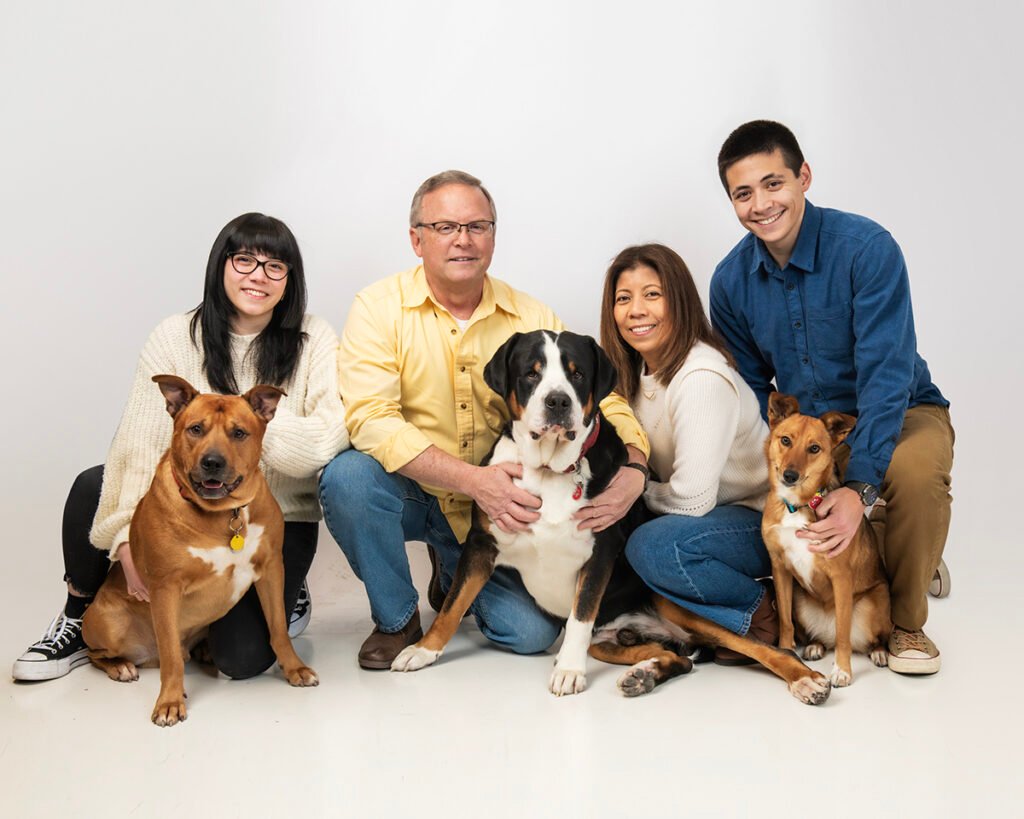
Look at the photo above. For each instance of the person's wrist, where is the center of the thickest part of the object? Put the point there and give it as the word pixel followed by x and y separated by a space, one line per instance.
pixel 866 492
pixel 642 469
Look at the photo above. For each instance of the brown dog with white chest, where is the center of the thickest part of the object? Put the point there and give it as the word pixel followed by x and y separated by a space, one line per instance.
pixel 206 530
pixel 840 602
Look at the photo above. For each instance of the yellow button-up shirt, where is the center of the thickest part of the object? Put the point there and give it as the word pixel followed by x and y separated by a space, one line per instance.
pixel 411 378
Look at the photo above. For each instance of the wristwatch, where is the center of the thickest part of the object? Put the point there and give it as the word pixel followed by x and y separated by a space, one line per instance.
pixel 868 492
pixel 642 469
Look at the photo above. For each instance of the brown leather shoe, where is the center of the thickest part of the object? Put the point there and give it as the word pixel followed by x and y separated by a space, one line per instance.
pixel 379 649
pixel 434 594
pixel 764 626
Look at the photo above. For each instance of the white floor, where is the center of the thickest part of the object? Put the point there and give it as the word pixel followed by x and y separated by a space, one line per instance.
pixel 479 735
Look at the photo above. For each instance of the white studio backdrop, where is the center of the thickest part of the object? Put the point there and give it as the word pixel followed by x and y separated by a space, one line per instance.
pixel 130 133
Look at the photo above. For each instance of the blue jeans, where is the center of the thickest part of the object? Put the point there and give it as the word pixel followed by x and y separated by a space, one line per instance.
pixel 707 565
pixel 371 514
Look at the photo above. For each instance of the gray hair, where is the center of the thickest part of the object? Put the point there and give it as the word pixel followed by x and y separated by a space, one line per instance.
pixel 439 181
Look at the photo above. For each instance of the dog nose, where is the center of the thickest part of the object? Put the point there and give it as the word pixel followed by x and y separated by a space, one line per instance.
pixel 212 462
pixel 558 402
pixel 790 476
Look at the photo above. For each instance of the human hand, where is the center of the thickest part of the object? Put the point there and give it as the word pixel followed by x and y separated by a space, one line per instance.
pixel 839 516
pixel 512 508
pixel 136 586
pixel 612 504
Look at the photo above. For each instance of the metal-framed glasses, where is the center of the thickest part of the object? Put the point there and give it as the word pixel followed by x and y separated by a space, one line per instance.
pixel 481 228
pixel 246 263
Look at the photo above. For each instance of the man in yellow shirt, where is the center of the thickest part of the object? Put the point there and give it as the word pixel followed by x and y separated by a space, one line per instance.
pixel 421 419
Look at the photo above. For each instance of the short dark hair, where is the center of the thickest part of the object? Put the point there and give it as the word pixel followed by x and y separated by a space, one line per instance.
pixel 683 309
pixel 761 136
pixel 279 345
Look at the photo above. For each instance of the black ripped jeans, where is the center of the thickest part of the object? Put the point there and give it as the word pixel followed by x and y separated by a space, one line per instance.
pixel 240 640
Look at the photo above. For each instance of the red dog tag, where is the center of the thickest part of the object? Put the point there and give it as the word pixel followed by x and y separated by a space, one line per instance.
pixel 577 493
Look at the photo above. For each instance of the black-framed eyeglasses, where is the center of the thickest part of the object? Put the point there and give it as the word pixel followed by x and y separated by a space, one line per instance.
pixel 480 228
pixel 246 263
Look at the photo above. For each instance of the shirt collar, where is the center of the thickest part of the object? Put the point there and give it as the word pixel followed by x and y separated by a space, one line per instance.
pixel 496 293
pixel 804 251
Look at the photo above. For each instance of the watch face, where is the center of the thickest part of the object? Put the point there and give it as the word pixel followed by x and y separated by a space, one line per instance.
pixel 868 495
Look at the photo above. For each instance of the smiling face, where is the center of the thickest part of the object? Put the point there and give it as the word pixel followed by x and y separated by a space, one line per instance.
pixel 253 295
pixel 769 200
pixel 455 264
pixel 640 314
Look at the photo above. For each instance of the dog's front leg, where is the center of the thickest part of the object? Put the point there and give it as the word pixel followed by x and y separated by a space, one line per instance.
pixel 165 606
pixel 270 590
pixel 842 591
pixel 570 673
pixel 784 602
pixel 474 569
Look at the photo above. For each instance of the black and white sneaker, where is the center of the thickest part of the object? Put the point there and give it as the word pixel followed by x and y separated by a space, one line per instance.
pixel 301 614
pixel 59 650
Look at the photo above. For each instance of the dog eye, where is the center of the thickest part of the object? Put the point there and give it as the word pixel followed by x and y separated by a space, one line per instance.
pixel 814 449
pixel 196 429
pixel 239 434
pixel 785 441
pixel 532 375
pixel 577 376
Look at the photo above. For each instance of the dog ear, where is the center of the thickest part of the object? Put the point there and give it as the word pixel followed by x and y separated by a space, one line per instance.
pixel 838 425
pixel 177 392
pixel 263 399
pixel 781 407
pixel 606 377
pixel 496 371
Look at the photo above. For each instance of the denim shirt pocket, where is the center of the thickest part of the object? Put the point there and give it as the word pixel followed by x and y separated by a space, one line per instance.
pixel 830 330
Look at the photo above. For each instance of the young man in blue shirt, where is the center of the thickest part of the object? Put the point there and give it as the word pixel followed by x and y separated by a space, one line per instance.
pixel 818 301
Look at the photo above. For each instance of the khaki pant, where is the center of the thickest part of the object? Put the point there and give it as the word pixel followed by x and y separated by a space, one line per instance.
pixel 912 525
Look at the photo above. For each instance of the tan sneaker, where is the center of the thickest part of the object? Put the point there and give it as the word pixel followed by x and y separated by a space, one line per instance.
pixel 941 583
pixel 911 652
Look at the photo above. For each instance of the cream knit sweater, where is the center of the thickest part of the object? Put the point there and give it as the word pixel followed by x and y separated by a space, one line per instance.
pixel 305 433
pixel 707 437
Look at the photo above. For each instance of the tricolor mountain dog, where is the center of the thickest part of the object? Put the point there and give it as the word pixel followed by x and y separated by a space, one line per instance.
pixel 840 602
pixel 206 530
pixel 552 384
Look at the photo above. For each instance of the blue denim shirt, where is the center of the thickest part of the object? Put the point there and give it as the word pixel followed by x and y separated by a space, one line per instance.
pixel 834 328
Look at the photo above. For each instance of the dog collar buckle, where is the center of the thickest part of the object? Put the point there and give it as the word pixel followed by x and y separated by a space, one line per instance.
pixel 237 542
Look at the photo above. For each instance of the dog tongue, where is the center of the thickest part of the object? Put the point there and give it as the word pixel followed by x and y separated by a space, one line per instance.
pixel 212 484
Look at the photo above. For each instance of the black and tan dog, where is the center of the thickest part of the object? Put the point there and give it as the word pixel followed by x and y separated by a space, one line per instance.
pixel 841 601
pixel 552 383
pixel 206 530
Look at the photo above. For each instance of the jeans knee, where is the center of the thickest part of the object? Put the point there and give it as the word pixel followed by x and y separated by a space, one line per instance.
pixel 353 482
pixel 521 632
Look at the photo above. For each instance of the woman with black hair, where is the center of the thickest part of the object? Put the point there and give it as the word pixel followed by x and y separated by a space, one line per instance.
pixel 251 328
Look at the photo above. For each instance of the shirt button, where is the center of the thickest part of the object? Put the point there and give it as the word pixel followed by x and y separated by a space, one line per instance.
pixel 462 369
pixel 462 406
pixel 791 286
pixel 817 394
pixel 454 331
pixel 804 360
pixel 797 324
pixel 465 444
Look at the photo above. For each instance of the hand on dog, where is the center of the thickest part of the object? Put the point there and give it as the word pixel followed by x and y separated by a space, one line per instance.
pixel 509 506
pixel 136 586
pixel 611 505
pixel 839 516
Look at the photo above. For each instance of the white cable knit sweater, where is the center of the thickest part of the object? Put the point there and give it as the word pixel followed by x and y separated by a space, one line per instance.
pixel 305 433
pixel 707 437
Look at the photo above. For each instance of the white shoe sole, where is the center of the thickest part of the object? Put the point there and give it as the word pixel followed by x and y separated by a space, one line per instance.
pixel 915 665
pixel 296 627
pixel 941 583
pixel 36 670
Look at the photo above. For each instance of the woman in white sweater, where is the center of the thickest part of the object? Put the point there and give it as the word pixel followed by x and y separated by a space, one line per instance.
pixel 250 328
pixel 703 547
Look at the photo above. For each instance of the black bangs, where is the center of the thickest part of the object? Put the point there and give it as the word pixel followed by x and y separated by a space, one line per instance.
pixel 262 235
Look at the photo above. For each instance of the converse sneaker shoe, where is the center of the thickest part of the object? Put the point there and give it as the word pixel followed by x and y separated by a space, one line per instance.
pixel 941 583
pixel 301 614
pixel 59 650
pixel 911 652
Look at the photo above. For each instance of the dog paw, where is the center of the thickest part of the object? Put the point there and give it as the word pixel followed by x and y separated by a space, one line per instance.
pixel 637 680
pixel 302 676
pixel 565 681
pixel 840 677
pixel 413 658
pixel 123 672
pixel 169 712
pixel 814 651
pixel 879 656
pixel 813 690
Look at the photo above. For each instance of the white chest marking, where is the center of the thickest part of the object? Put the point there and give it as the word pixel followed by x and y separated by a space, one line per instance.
pixel 799 558
pixel 221 559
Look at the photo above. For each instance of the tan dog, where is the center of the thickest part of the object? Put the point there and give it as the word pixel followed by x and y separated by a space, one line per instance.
pixel 206 530
pixel 841 601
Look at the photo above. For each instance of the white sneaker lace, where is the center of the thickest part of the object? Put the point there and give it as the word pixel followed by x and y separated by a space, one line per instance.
pixel 61 631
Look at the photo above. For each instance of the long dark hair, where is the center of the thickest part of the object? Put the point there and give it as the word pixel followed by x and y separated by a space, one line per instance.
pixel 684 310
pixel 279 345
